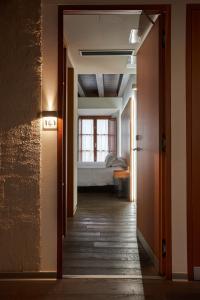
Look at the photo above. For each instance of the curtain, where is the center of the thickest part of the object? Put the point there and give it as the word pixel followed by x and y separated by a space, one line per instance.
pixel 86 140
pixel 102 139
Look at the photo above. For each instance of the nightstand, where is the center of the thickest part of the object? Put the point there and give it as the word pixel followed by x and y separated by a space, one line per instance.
pixel 122 183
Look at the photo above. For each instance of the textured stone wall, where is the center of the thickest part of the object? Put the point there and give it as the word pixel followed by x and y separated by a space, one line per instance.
pixel 20 101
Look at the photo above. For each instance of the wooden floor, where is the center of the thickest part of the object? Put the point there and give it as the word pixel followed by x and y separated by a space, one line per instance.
pixel 85 225
pixel 101 239
pixel 99 289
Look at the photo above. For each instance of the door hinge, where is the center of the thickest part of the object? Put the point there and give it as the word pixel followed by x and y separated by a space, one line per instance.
pixel 163 39
pixel 164 250
pixel 163 143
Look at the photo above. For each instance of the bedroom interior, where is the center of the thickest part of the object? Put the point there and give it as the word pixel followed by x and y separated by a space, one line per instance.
pixel 101 236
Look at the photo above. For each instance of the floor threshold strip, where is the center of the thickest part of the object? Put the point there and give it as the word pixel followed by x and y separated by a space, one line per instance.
pixel 113 277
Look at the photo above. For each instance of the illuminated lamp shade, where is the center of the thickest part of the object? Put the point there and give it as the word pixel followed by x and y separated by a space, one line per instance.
pixel 49 120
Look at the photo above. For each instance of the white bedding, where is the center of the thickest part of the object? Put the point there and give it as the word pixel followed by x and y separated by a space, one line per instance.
pixel 95 174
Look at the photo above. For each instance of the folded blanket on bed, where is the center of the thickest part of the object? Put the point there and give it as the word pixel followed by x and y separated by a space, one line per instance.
pixel 114 161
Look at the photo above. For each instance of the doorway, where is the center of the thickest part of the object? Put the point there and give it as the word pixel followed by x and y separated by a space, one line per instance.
pixel 164 213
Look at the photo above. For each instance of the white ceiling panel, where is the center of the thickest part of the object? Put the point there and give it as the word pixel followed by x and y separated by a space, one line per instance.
pixel 99 32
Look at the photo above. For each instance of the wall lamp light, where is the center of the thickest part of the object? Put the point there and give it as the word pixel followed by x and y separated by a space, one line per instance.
pixel 49 120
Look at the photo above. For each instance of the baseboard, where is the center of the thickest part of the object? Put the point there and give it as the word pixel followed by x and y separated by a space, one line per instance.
pixel 142 277
pixel 28 275
pixel 180 276
pixel 148 250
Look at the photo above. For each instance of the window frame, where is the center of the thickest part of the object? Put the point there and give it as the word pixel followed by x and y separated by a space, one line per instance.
pixel 95 118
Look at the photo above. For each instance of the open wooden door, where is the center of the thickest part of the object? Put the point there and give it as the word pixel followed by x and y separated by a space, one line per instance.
pixel 150 131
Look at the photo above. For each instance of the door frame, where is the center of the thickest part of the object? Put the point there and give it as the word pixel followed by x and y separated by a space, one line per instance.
pixel 190 237
pixel 165 179
pixel 70 145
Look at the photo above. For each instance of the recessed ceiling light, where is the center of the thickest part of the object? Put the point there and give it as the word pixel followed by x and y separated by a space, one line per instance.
pixel 133 38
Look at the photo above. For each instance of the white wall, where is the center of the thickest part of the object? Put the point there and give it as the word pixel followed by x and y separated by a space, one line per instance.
pixel 128 91
pixel 178 117
pixel 100 102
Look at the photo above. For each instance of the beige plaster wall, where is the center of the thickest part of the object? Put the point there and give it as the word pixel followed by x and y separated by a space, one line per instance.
pixel 178 113
pixel 20 98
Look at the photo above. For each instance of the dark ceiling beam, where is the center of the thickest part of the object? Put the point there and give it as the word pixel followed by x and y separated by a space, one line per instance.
pixel 100 84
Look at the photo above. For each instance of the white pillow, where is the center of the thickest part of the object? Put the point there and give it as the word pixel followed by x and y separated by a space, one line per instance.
pixel 109 160
pixel 119 162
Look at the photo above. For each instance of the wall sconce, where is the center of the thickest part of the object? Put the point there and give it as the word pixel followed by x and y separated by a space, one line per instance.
pixel 49 120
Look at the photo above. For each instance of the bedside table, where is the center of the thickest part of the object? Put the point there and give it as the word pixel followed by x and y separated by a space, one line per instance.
pixel 122 183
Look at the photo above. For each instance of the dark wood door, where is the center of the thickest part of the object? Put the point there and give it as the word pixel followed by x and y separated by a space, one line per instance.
pixel 149 132
pixel 193 139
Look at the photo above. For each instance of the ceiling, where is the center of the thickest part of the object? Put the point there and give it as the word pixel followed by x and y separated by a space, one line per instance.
pixel 99 32
pixel 103 85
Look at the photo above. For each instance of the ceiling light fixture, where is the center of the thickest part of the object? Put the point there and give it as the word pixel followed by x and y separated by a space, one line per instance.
pixel 111 52
pixel 133 38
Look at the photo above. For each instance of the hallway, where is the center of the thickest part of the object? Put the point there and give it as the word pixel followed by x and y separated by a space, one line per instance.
pixel 101 239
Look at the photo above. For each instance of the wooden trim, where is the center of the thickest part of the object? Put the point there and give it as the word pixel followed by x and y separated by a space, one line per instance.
pixel 167 174
pixel 64 142
pixel 148 250
pixel 27 275
pixel 113 9
pixel 190 237
pixel 126 9
pixel 97 117
pixel 60 146
pixel 162 158
pixel 70 144
pixel 188 141
pixel 180 276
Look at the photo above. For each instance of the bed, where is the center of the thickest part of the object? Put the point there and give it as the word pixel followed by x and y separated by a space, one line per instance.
pixel 95 174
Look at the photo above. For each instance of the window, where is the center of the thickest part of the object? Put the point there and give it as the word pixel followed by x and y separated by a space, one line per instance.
pixel 97 138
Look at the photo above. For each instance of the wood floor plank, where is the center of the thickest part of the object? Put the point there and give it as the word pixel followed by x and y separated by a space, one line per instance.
pixel 101 239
